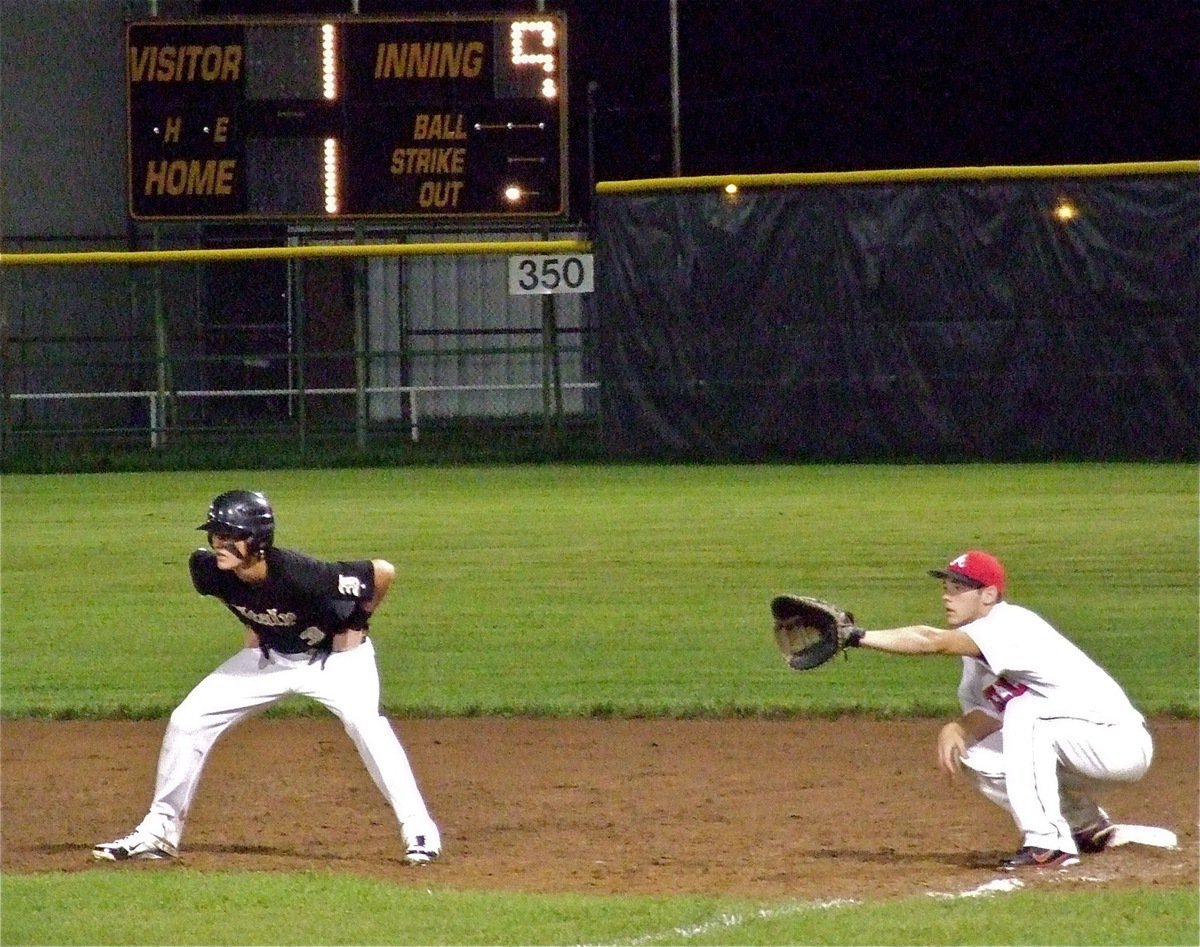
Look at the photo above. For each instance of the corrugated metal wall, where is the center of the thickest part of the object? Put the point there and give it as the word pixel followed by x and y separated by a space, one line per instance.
pixel 452 323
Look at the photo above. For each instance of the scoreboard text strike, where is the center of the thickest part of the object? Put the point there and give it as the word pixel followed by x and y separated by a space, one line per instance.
pixel 347 117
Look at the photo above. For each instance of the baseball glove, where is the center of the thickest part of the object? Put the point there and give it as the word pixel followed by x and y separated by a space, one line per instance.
pixel 810 631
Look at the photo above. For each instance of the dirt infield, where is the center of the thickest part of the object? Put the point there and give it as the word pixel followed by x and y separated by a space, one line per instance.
pixel 797 808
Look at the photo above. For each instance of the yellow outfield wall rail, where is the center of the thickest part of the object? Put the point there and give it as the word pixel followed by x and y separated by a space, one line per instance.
pixel 151 257
pixel 703 182
pixel 898 176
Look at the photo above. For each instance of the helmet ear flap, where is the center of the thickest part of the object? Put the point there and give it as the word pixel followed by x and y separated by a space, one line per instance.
pixel 256 546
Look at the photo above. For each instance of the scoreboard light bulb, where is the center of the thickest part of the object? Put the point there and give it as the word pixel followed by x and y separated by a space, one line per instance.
pixel 513 193
pixel 549 89
pixel 545 27
pixel 328 61
pixel 518 55
pixel 333 201
pixel 731 189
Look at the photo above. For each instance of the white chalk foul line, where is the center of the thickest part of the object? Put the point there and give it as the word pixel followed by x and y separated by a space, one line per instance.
pixel 735 920
pixel 729 921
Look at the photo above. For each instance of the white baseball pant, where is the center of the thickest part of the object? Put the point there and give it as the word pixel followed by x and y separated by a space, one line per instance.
pixel 1045 768
pixel 348 685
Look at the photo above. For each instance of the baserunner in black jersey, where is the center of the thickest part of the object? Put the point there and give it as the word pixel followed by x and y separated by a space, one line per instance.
pixel 306 632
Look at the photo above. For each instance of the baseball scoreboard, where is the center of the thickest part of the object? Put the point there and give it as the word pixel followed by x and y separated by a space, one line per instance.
pixel 347 117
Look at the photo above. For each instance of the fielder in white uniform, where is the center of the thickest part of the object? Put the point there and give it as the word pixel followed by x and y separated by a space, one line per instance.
pixel 1043 727
pixel 306 626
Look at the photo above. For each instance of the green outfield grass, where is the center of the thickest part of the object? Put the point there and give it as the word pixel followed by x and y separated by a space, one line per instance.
pixel 590 590
pixel 179 906
pixel 604 590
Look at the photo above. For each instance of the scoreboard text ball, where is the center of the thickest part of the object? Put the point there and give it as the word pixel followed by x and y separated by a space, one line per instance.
pixel 359 117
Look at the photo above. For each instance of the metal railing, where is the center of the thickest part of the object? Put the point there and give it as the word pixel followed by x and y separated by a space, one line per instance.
pixel 157 428
pixel 162 371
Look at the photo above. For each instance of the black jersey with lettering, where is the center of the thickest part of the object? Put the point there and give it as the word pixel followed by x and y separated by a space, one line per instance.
pixel 303 602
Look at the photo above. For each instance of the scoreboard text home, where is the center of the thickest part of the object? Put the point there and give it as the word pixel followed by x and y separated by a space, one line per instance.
pixel 366 117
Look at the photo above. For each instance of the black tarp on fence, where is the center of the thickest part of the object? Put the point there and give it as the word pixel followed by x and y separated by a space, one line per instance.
pixel 926 320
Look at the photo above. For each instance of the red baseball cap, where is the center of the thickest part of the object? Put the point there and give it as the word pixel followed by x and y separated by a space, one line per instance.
pixel 976 567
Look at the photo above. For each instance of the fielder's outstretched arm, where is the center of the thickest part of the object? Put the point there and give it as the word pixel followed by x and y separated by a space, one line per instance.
pixel 920 639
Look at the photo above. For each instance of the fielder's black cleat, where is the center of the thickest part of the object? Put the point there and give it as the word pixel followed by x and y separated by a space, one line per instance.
pixel 1032 857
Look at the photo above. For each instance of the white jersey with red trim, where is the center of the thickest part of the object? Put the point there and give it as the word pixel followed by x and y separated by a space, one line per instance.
pixel 1024 653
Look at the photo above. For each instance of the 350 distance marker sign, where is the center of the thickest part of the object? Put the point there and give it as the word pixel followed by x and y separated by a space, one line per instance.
pixel 541 274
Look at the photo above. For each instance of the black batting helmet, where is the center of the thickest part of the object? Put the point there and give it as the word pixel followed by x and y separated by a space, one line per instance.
pixel 243 514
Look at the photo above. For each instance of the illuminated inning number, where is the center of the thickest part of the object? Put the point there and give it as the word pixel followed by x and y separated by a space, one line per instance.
pixel 518 32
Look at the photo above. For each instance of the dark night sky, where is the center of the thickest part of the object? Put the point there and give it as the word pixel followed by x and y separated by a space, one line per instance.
pixel 821 85
pixel 800 85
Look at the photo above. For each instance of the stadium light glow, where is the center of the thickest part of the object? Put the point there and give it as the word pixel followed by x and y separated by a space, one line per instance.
pixel 1066 211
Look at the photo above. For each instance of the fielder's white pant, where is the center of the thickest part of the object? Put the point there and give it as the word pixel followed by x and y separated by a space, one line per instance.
pixel 348 685
pixel 1044 769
